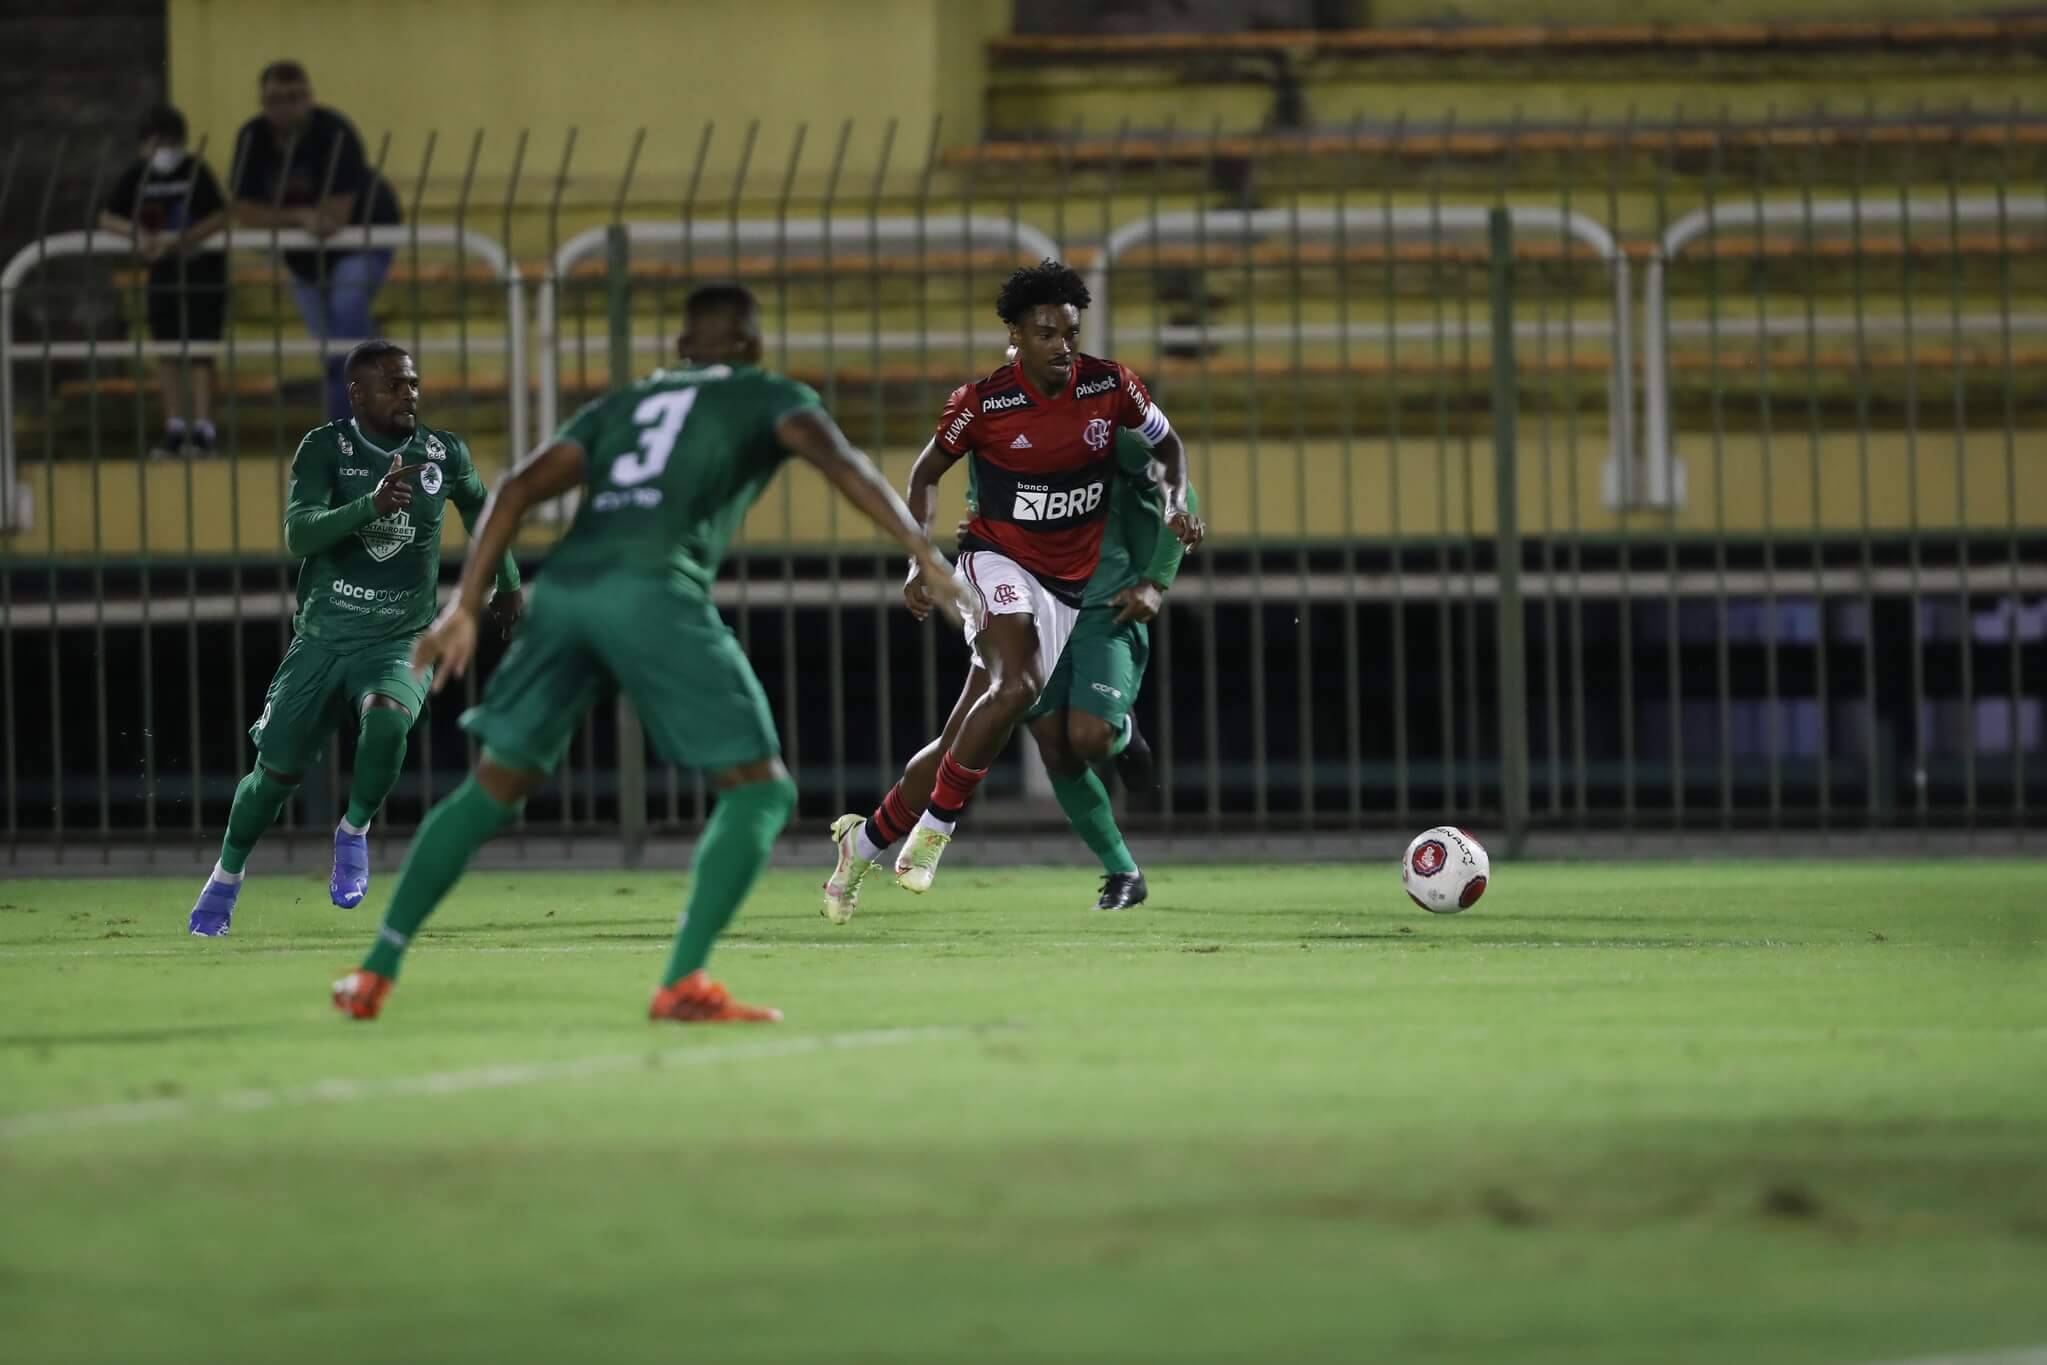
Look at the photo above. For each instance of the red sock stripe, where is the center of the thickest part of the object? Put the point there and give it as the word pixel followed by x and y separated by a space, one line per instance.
pixel 956 783
pixel 900 816
pixel 893 817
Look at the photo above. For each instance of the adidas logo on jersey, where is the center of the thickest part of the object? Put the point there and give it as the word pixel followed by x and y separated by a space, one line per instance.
pixel 1022 442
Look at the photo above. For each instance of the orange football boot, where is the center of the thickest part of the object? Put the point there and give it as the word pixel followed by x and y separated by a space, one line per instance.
pixel 696 999
pixel 360 994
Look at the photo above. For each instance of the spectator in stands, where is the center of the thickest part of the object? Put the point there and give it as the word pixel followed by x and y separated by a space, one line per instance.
pixel 302 166
pixel 170 206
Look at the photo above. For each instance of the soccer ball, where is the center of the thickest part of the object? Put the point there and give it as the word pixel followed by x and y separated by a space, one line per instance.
pixel 1445 870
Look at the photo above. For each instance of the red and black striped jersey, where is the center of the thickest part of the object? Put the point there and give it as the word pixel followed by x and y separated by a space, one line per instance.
pixel 1039 464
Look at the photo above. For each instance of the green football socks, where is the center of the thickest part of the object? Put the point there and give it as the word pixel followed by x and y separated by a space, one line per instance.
pixel 450 834
pixel 379 755
pixel 1086 803
pixel 259 800
pixel 735 847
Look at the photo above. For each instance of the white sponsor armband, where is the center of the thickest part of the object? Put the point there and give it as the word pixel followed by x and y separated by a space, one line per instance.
pixel 1155 427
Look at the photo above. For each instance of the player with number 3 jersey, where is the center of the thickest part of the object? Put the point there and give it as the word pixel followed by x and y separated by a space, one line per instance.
pixel 668 468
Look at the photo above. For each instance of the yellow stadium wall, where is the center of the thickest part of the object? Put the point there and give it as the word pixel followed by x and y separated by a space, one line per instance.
pixel 236 506
pixel 604 68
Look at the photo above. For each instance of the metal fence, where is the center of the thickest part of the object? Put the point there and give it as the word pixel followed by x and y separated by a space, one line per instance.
pixel 1498 536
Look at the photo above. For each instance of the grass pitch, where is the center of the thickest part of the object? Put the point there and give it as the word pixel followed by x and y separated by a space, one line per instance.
pixel 1680 1113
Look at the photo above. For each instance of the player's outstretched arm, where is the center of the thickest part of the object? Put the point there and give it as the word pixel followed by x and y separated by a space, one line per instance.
pixel 311 526
pixel 1171 453
pixel 816 439
pixel 548 473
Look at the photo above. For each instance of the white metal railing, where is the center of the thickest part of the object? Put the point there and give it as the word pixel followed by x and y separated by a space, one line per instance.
pixel 97 242
pixel 1377 586
pixel 1661 480
pixel 1363 224
pixel 806 236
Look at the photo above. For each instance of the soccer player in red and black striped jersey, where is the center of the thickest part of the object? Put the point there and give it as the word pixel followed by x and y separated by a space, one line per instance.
pixel 1039 439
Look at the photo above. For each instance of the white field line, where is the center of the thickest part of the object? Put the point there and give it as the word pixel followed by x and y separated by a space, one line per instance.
pixel 1366 937
pixel 502 1076
pixel 2017 1355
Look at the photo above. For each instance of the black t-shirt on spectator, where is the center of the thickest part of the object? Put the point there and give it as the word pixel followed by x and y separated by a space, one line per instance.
pixel 169 202
pixel 328 140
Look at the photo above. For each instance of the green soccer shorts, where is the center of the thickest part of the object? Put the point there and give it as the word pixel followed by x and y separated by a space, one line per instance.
pixel 1101 670
pixel 318 688
pixel 662 644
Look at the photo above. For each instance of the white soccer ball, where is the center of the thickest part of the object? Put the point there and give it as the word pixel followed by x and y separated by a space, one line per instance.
pixel 1445 870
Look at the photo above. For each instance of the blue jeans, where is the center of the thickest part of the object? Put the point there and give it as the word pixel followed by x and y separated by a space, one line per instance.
pixel 339 306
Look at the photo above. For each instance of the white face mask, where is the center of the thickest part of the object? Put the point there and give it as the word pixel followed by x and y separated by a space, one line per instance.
pixel 164 160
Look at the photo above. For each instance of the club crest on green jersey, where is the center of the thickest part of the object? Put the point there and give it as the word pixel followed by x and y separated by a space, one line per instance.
pixel 435 451
pixel 430 477
pixel 386 536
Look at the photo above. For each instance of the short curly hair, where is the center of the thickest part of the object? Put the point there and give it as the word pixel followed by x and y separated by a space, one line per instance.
pixel 1048 281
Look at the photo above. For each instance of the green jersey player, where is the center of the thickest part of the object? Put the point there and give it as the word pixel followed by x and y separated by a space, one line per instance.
pixel 668 468
pixel 363 516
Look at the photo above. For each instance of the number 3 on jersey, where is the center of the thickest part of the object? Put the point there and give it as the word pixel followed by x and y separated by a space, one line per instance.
pixel 660 418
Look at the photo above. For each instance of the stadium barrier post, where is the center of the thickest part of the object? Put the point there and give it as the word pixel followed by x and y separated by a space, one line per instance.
pixel 1211 660
pixel 632 742
pixel 1396 544
pixel 785 614
pixel 877 444
pixel 9 493
pixel 835 627
pixel 2008 394
pixel 1964 523
pixel 1512 663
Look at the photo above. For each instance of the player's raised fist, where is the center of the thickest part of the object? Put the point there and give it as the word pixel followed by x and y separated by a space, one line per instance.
pixel 394 490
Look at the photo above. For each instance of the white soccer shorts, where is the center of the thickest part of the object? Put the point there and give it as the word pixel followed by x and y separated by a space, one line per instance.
pixel 1005 588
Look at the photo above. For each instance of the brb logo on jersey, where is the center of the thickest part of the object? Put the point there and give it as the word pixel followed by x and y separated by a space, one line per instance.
pixel 1097 433
pixel 1036 502
pixel 386 536
pixel 430 475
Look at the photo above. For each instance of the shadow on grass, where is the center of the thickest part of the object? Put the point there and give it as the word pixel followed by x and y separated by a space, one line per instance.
pixel 123 1037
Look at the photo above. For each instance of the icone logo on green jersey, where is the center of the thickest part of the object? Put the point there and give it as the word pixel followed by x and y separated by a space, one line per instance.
pixel 386 536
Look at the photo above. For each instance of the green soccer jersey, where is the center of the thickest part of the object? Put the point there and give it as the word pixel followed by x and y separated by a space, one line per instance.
pixel 1135 542
pixel 671 466
pixel 366 578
